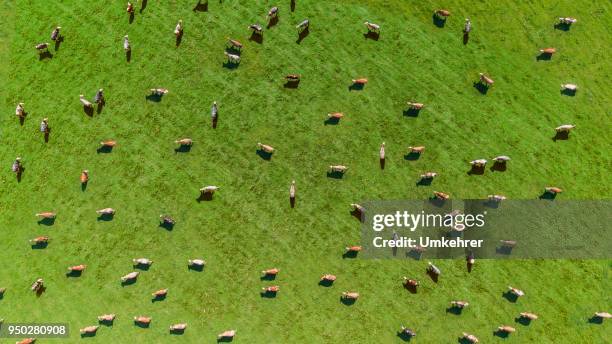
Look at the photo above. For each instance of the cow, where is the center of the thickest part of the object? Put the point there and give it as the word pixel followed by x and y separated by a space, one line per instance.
pixel 265 148
pixel 39 284
pixel 84 176
pixel 214 111
pixel 106 211
pixel 86 103
pixel 196 262
pixel 2 291
pixel 429 175
pixel 232 58
pixel 360 81
pixel 467 26
pixel 357 207
pixel 470 337
pixel 407 332
pixel 178 327
pixel 516 291
pixel 233 44
pixel 271 289
pixel 292 78
pixel 335 115
pixel 415 106
pixel 142 262
pixel 106 318
pixel 433 269
pixel 39 240
pixel 99 97
pixel 77 268
pixel 501 159
pixel 132 276
pixel 338 168
pixel 273 12
pixel 565 128
pixel 508 243
pixel 328 278
pixel 89 330
pixel 459 304
pixel 548 51
pixel 208 190
pixel 410 283
pixel 292 190
pixel 350 295
pixel 256 28
pixel 229 334
pixel 270 272
pixel 529 316
pixel 567 20
pixel 603 315
pixel 478 163
pixel 506 329
pixel 441 195
pixel 143 320
pixel 184 142
pixel 553 190
pixel 159 91
pixel 569 87
pixel 178 29
pixel 167 220
pixel 442 14
pixel 55 34
pixel 46 215
pixel 485 80
pixel 26 341
pixel 42 47
pixel 20 111
pixel 160 293
pixel 303 25
pixel 126 44
pixel 352 249
pixel 17 166
pixel 416 149
pixel 372 27
pixel 496 198
pixel 44 126
pixel 381 152
pixel 130 8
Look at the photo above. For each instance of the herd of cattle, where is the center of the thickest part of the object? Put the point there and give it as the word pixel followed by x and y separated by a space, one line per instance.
pixel 232 54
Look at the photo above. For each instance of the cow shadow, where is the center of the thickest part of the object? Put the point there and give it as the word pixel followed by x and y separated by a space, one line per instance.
pixel 568 92
pixel 166 225
pixel 179 39
pixel 476 170
pixel 510 296
pixel 462 340
pixel 523 321
pixel 491 204
pixel 466 38
pixel 434 277
pixel 267 277
pixel 39 246
pixel 272 22
pixel 302 35
pixel 74 273
pixel 201 7
pixel 548 196
pixel 505 250
pixel 331 121
pixel 225 339
pixel 411 112
pixel 22 118
pixel 141 324
pixel 47 134
pixel 499 166
pixel 158 298
pixel 595 320
pixel 371 35
pixel 416 255
pixel 58 42
pixel 177 331
pixel 266 294
pixel 105 149
pixel 349 255
pixel 326 283
pixel 292 5
pixel 562 26
pixel 106 217
pixel 128 282
pixel 382 163
pixel 264 155
pixel 230 65
pixel 292 84
pixel 154 97
pixel 206 196
pixel 454 310
pixel 214 121
pixel 501 334
pixel 107 323
pixel 561 135
pixel 101 105
pixel 87 334
pixel 356 87
pixel 45 55
pixel 84 186
pixel 131 18
pixel 143 6
pixel 412 156
pixel 356 214
pixel 404 336
pixel 257 38
pixel 40 291
pixel 424 182
pixel 292 202
pixel 198 268
pixel 437 202
pixel 143 267
pixel 437 21
pixel 47 221
pixel 89 111
pixel 128 55
pixel 20 173
pixel 335 175
pixel 544 57
pixel 346 301
pixel 183 149
pixel 482 88
pixel 411 288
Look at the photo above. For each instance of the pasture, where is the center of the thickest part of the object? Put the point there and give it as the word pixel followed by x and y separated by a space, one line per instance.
pixel 249 225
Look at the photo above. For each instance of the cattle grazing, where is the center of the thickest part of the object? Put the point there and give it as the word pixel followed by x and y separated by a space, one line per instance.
pixel 46 215
pixel 199 263
pixel 506 329
pixel 271 289
pixel 178 29
pixel 381 152
pixel 99 97
pixel 39 284
pixel 410 283
pixel 429 175
pixel 335 115
pixel 360 81
pixel 142 262
pixel 142 320
pixel 55 34
pixel 89 330
pixel 77 268
pixel 44 126
pixel 485 80
pixel 496 198
pixel 328 278
pixel 416 149
pixel 17 166
pixel 256 28
pixel 407 332
pixel 352 249
pixel 167 220
pixel 232 58
pixel 20 111
pixel 160 294
pixel 86 103
pixel 130 8
pixel 350 295
pixel 270 272
pixel 42 47
pixel 106 318
pixel 375 28
pixel 265 148
pixel 528 316
pixel 214 110
pixel 229 334
pixel 548 51
pixel 441 195
pixel 357 207
pixel 178 327
pixel 303 25
pixel 516 291
pixel 84 176
pixel 26 341
pixel 273 12
pixel 415 106
pixel 553 190
pixel 569 87
pixel 106 211
pixel 126 44
pixel 442 14
pixel 132 276
pixel 233 44
pixel 470 338
pixel 208 190
pixel 184 142
pixel 292 190
pixel 432 269
pixel 292 78
pixel 501 159
pixel 567 20
pixel 338 169
pixel 41 240
pixel 565 128
pixel 603 315
pixel 467 26
pixel 459 304
pixel 159 91
pixel 479 163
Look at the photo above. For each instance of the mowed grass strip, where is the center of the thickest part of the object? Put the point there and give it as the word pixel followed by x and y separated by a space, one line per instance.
pixel 249 225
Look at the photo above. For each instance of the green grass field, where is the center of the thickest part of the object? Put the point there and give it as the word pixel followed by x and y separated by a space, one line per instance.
pixel 249 225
